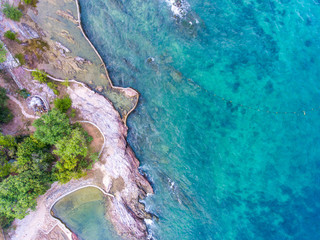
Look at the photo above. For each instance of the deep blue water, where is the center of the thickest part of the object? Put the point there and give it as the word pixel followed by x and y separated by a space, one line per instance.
pixel 231 168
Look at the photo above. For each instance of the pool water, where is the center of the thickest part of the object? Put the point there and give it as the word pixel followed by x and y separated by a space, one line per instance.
pixel 82 211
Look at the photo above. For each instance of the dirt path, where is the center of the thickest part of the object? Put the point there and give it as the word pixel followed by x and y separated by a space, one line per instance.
pixel 27 115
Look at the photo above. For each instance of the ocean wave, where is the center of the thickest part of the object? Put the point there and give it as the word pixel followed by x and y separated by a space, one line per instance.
pixel 179 7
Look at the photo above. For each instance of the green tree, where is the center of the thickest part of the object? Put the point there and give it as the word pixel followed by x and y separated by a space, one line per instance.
pixel 72 151
pixel 33 155
pixel 3 53
pixel 7 141
pixel 52 127
pixel 5 114
pixel 5 166
pixel 12 12
pixel 63 104
pixel 18 193
pixel 10 35
pixel 7 152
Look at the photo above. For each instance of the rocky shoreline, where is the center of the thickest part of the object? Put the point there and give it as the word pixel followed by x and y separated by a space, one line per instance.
pixel 116 171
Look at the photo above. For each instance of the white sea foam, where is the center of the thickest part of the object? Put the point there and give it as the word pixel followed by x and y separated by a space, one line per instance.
pixel 179 8
pixel 148 221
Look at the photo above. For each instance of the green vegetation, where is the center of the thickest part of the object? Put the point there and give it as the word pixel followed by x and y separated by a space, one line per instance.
pixel 10 35
pixel 31 2
pixel 12 12
pixel 72 151
pixel 53 87
pixel 24 93
pixel 66 83
pixel 34 155
pixel 20 58
pixel 71 143
pixel 3 53
pixel 58 150
pixel 5 114
pixel 40 76
pixel 18 193
pixel 63 104
pixel 52 127
pixel 73 113
pixel 8 148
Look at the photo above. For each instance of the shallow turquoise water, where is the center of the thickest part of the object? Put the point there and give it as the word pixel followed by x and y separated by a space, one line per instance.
pixel 221 170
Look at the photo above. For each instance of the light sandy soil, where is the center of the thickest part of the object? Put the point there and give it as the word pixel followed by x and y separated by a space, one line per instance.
pixel 97 142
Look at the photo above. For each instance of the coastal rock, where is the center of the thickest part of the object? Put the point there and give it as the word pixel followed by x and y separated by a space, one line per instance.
pixel 28 32
pixel 117 162
pixel 99 88
pixel 67 15
pixel 62 49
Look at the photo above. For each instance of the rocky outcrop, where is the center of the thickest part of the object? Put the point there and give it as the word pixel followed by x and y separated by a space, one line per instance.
pixel 117 162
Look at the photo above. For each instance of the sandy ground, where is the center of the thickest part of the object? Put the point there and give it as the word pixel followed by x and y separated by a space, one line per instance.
pixel 97 142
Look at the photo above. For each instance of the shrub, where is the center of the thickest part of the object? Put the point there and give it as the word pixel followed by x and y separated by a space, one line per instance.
pixel 20 58
pixel 24 93
pixel 31 2
pixel 3 54
pixel 63 104
pixel 12 12
pixel 73 113
pixel 53 87
pixel 40 76
pixel 65 83
pixel 56 91
pixel 10 35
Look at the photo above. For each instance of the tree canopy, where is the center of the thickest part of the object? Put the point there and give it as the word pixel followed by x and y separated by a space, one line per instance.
pixel 72 151
pixel 52 126
pixel 5 113
pixel 33 155
pixel 7 152
pixel 63 104
pixel 29 164
pixel 18 193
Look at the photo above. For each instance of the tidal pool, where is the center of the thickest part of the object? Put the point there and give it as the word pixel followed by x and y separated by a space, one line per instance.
pixel 83 212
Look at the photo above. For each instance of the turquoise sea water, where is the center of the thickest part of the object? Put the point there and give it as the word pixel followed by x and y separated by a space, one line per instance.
pixel 221 169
